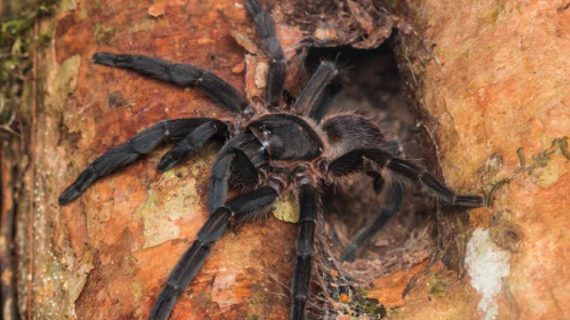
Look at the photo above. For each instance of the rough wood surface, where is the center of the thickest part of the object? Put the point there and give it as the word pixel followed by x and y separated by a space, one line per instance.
pixel 492 75
pixel 106 256
pixel 494 79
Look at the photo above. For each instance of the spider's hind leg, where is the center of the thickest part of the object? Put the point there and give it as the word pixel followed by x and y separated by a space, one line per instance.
pixel 439 189
pixel 139 145
pixel 363 237
pixel 356 160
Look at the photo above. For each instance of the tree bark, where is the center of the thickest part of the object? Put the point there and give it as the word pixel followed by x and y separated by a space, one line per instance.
pixel 107 255
pixel 489 78
pixel 492 75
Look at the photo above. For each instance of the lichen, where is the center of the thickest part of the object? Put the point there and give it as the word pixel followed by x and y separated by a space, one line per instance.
pixel 104 34
pixel 436 284
pixel 137 292
pixel 63 81
pixel 160 217
pixel 487 266
pixel 550 174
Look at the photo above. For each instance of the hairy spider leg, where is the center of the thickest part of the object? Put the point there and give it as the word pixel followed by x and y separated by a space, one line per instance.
pixel 362 238
pixel 325 103
pixel 242 155
pixel 277 66
pixel 139 145
pixel 355 161
pixel 377 181
pixel 312 93
pixel 211 231
pixel 195 139
pixel 182 75
pixel 304 249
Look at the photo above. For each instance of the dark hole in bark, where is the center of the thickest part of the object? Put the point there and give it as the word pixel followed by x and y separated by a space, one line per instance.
pixel 371 84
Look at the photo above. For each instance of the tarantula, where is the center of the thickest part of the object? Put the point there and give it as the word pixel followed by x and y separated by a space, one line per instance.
pixel 265 152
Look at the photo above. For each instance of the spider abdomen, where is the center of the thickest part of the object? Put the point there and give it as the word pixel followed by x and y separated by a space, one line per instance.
pixel 347 132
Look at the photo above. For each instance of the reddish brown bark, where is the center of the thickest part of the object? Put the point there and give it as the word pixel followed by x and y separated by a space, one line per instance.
pixel 492 77
pixel 107 255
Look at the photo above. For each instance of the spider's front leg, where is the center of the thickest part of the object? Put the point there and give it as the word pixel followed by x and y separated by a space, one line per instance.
pixel 308 101
pixel 195 139
pixel 277 66
pixel 240 157
pixel 239 208
pixel 360 159
pixel 182 75
pixel 141 144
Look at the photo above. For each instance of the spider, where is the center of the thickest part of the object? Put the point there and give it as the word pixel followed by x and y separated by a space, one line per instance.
pixel 266 151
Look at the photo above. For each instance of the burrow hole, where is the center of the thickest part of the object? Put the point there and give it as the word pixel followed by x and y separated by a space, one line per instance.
pixel 370 83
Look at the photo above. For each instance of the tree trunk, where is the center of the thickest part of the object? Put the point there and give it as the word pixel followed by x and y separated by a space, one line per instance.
pixel 493 76
pixel 489 81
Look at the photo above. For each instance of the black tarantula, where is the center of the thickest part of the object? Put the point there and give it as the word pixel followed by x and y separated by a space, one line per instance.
pixel 266 153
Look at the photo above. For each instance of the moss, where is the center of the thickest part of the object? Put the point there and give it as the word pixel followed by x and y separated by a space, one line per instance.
pixel 104 34
pixel 436 284
pixel 16 41
pixel 545 171
pixel 256 302
pixel 371 308
pixel 361 306
pixel 562 143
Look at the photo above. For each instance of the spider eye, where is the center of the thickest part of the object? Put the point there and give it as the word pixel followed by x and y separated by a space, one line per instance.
pixel 265 130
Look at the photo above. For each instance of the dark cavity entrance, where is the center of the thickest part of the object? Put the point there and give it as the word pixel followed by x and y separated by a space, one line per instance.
pixel 370 83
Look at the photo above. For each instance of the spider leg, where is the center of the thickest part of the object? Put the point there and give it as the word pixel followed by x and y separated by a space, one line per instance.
pixel 195 139
pixel 277 66
pixel 324 104
pixel 363 236
pixel 182 75
pixel 304 249
pixel 241 155
pixel 377 181
pixel 141 144
pixel 355 161
pixel 212 230
pixel 309 98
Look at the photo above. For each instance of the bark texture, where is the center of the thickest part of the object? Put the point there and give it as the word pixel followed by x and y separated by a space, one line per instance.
pixel 494 79
pixel 491 78
pixel 106 256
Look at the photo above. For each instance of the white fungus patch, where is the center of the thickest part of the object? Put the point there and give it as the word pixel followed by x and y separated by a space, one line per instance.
pixel 487 265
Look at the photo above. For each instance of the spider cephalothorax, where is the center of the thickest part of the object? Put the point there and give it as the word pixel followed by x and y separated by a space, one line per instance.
pixel 264 154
